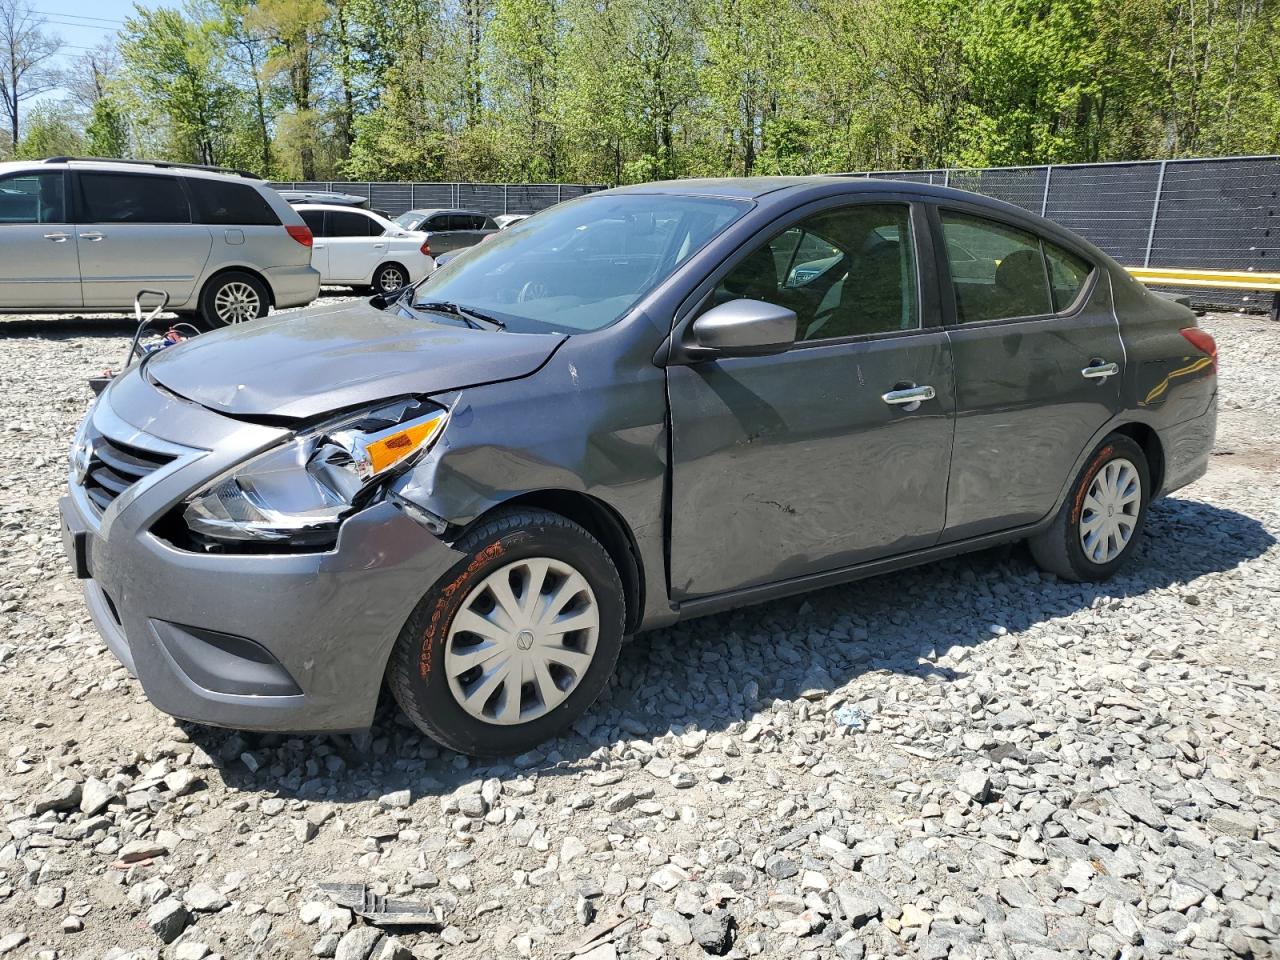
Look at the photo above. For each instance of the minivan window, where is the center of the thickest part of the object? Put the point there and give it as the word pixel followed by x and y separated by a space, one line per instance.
pixel 131 198
pixel 1067 274
pixel 846 272
pixel 572 268
pixel 997 270
pixel 32 198
pixel 225 202
pixel 344 224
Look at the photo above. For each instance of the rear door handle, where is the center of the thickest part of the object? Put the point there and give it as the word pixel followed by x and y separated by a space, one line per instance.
pixel 909 398
pixel 58 237
pixel 1100 370
pixel 93 236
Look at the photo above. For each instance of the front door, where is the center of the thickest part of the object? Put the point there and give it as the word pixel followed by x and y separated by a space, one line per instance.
pixel 1038 363
pixel 355 244
pixel 38 262
pixel 135 232
pixel 803 462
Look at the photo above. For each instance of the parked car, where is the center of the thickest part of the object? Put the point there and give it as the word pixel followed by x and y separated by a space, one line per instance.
pixel 84 236
pixel 448 230
pixel 362 249
pixel 473 493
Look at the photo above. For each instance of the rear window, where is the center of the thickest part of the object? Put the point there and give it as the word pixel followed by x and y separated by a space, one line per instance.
pixel 131 198
pixel 226 202
pixel 997 270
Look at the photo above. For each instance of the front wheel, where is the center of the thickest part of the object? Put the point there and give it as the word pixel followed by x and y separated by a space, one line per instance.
pixel 516 641
pixel 1101 521
pixel 232 297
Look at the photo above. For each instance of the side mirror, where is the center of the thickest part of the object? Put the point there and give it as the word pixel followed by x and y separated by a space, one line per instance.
pixel 742 328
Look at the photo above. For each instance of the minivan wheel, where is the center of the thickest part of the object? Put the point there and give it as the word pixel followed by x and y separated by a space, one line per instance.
pixel 516 641
pixel 232 297
pixel 1101 521
pixel 389 276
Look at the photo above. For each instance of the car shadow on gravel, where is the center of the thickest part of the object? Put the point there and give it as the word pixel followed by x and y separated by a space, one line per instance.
pixel 68 327
pixel 707 674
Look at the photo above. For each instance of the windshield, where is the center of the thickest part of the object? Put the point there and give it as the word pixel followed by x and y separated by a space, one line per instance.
pixel 579 266
pixel 409 220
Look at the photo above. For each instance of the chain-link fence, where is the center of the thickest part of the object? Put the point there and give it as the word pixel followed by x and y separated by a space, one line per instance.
pixel 1210 214
pixel 493 199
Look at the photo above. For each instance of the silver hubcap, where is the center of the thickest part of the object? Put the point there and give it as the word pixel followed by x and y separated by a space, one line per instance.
pixel 390 279
pixel 522 641
pixel 236 302
pixel 1110 511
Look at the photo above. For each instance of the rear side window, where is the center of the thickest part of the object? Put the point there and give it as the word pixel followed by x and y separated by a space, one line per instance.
pixel 344 224
pixel 997 270
pixel 1067 274
pixel 461 221
pixel 131 198
pixel 225 202
pixel 32 198
pixel 315 220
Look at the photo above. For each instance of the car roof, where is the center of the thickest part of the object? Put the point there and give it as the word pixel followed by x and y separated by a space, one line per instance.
pixel 133 166
pixel 431 211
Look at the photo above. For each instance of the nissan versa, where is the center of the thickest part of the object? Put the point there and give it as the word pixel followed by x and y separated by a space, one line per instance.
pixel 644 405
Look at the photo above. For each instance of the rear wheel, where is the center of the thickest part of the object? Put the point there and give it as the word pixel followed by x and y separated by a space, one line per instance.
pixel 388 277
pixel 516 641
pixel 232 297
pixel 1101 521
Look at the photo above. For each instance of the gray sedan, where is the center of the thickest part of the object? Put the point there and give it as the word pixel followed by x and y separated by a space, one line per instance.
pixel 641 406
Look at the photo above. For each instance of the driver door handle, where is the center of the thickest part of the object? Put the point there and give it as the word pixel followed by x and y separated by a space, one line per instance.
pixel 58 237
pixel 93 236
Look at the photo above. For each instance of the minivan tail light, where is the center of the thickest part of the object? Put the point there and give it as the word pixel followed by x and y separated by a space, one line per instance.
pixel 300 233
pixel 426 248
pixel 1203 342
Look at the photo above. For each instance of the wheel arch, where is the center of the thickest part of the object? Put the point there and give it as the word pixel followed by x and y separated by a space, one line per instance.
pixel 238 268
pixel 602 522
pixel 1148 439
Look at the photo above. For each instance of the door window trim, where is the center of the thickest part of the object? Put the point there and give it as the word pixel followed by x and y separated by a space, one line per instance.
pixel 927 282
pixel 947 290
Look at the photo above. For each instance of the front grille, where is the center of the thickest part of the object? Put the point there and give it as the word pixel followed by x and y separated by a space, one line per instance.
pixel 114 467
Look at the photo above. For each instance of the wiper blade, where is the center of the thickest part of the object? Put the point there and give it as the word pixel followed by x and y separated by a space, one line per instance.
pixel 479 321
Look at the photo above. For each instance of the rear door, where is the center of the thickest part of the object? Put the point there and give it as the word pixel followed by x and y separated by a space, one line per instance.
pixel 797 464
pixel 356 245
pixel 1038 366
pixel 136 230
pixel 38 262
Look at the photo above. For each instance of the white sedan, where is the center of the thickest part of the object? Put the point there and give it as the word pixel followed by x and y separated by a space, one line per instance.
pixel 359 248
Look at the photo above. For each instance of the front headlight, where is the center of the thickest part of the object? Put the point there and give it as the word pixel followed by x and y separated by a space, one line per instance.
pixel 300 492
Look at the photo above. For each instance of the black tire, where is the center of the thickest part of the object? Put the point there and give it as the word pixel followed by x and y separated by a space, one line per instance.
pixel 416 672
pixel 389 273
pixel 1059 549
pixel 244 288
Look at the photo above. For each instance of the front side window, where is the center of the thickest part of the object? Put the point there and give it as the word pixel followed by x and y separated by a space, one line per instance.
pixel 847 272
pixel 582 264
pixel 997 271
pixel 131 198
pixel 32 198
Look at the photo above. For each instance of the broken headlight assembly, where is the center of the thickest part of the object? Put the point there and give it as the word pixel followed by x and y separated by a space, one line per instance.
pixel 298 493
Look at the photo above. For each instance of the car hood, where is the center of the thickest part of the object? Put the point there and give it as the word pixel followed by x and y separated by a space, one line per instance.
pixel 315 361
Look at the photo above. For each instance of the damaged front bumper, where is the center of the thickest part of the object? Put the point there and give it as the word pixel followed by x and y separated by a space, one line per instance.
pixel 281 642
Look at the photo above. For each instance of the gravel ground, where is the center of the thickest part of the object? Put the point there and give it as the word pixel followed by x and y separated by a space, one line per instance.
pixel 968 760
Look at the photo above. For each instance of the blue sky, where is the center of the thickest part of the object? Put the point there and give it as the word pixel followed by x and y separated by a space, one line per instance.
pixel 82 24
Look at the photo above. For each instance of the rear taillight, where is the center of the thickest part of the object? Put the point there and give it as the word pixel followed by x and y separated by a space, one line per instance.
pixel 1202 341
pixel 300 233
pixel 426 248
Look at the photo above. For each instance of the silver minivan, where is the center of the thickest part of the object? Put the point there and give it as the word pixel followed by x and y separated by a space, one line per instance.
pixel 87 235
